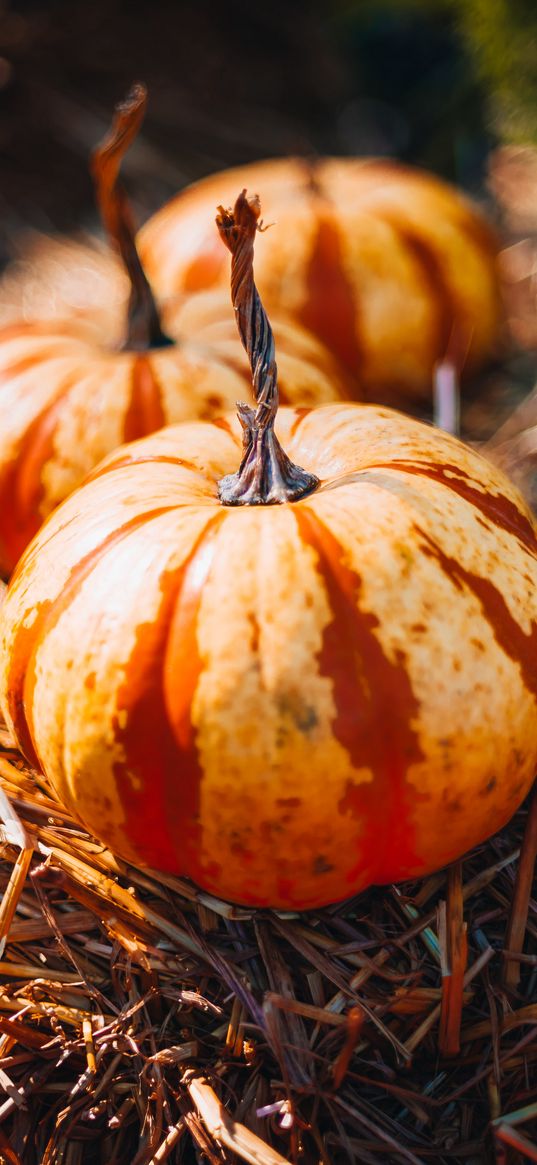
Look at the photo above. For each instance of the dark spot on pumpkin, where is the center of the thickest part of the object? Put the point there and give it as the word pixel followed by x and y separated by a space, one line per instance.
pixel 254 641
pixel 288 802
pixel 215 402
pixel 454 806
pixel 240 852
pixel 306 719
pixel 478 643
pixel 489 787
pixel 418 628
pixel 89 682
pixel 321 866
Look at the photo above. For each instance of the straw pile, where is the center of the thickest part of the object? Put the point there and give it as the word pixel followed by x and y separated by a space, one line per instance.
pixel 142 1021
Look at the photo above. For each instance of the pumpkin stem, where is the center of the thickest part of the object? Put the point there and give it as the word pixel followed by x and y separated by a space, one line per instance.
pixel 143 322
pixel 266 476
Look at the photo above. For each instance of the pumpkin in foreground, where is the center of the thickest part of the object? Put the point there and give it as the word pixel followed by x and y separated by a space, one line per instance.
pixel 69 395
pixel 286 702
pixel 390 267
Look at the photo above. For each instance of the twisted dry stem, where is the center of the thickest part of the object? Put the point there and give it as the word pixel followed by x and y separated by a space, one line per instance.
pixel 266 476
pixel 143 323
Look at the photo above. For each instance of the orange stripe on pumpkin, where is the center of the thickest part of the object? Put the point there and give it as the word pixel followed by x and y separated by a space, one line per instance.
pixel 21 481
pixel 206 269
pixel 36 358
pixel 519 646
pixel 447 310
pixel 330 309
pixel 159 779
pixel 500 511
pixel 132 459
pixel 145 413
pixel 300 415
pixel 21 676
pixel 375 710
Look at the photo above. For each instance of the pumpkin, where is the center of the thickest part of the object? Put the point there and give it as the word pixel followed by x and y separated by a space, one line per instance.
pixel 389 266
pixel 68 396
pixel 74 283
pixel 290 680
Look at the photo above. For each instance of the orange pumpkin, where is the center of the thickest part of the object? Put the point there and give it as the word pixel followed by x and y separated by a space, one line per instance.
pixel 389 266
pixel 285 702
pixel 70 282
pixel 68 396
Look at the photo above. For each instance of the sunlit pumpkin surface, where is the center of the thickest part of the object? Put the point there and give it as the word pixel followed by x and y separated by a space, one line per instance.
pixel 286 703
pixel 388 266
pixel 67 399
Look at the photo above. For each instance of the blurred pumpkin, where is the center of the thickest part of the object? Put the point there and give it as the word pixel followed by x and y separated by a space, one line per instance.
pixel 68 396
pixel 385 264
pixel 286 702
pixel 76 283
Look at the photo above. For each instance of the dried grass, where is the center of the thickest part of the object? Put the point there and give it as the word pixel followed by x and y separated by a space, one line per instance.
pixel 142 1021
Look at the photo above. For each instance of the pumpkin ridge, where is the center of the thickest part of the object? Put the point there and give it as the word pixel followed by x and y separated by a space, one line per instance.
pixel 146 459
pixel 24 363
pixel 380 696
pixel 167 759
pixel 145 412
pixel 21 485
pixel 205 271
pixel 330 309
pixel 500 510
pixel 26 641
pixel 518 645
pixel 478 231
pixel 446 307
pixel 302 412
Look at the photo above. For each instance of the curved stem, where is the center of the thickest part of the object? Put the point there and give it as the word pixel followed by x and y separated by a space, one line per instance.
pixel 266 476
pixel 143 324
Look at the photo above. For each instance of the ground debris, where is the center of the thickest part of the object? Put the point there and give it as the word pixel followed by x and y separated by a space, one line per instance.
pixel 142 1021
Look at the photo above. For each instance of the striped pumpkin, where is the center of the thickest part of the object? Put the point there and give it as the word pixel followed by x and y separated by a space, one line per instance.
pixel 286 703
pixel 66 401
pixel 387 265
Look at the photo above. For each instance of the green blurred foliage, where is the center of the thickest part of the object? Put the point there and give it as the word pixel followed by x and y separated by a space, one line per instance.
pixel 502 37
pixel 500 42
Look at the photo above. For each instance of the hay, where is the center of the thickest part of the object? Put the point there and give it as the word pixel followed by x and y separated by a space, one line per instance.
pixel 142 1021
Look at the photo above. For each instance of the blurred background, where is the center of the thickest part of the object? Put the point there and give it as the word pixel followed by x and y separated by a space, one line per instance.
pixel 450 85
pixel 435 82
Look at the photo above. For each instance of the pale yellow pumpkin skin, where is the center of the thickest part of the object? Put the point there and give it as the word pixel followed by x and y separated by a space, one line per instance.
pixel 389 266
pixel 286 703
pixel 66 400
